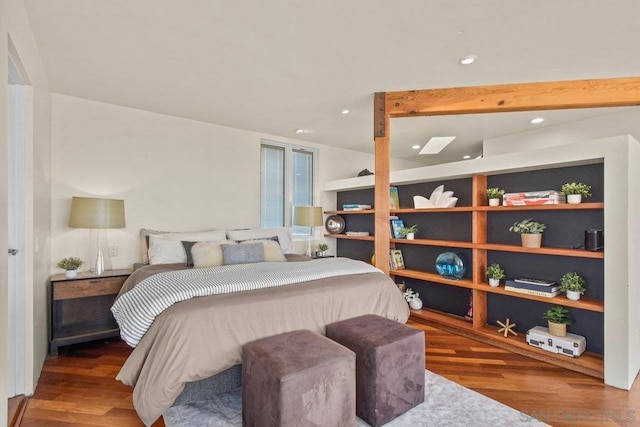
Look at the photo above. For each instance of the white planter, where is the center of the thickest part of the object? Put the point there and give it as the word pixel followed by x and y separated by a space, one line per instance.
pixel 494 202
pixel 71 274
pixel 411 236
pixel 415 303
pixel 574 199
pixel 494 282
pixel 573 295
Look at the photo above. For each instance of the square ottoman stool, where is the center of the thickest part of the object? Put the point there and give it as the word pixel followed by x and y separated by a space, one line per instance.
pixel 389 365
pixel 298 378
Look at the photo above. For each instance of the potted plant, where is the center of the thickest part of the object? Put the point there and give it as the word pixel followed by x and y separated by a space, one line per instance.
pixel 322 247
pixel 495 273
pixel 494 195
pixel 530 232
pixel 575 191
pixel 71 265
pixel 573 285
pixel 558 319
pixel 409 232
pixel 413 300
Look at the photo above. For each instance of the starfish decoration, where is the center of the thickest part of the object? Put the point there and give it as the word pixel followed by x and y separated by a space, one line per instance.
pixel 507 327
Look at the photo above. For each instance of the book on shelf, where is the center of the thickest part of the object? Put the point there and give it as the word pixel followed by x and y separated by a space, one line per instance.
pixel 355 207
pixel 396 226
pixel 553 287
pixel 532 291
pixel 396 261
pixel 535 281
pixel 394 199
pixel 357 233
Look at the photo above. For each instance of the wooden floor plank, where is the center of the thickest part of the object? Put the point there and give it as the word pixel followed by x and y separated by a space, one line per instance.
pixel 78 388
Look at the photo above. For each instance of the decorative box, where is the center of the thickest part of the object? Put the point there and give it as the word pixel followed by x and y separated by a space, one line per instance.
pixel 572 345
pixel 532 198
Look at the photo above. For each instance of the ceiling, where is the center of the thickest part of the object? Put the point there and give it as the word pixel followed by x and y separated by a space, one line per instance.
pixel 276 66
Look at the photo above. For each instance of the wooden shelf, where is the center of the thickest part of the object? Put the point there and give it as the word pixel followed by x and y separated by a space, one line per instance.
pixel 583 303
pixel 344 236
pixel 435 278
pixel 428 242
pixel 433 210
pixel 588 363
pixel 578 253
pixel 560 207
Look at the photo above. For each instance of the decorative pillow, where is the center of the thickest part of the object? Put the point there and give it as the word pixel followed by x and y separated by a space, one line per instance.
pixel 272 250
pixel 283 234
pixel 175 252
pixel 242 254
pixel 208 254
pixel 187 249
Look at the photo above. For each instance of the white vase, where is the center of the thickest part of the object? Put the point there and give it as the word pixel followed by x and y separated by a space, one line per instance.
pixel 573 295
pixel 574 199
pixel 494 282
pixel 71 274
pixel 411 236
pixel 494 202
pixel 415 303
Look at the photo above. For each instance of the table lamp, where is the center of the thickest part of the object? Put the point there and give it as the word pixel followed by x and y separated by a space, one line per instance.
pixel 99 214
pixel 308 216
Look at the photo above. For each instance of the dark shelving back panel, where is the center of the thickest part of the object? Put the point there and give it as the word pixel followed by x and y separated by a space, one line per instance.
pixel 355 249
pixel 447 299
pixel 440 226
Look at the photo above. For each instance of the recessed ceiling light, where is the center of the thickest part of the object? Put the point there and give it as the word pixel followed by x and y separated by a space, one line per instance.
pixel 536 120
pixel 415 147
pixel 345 111
pixel 469 59
pixel 467 157
pixel 299 130
pixel 436 144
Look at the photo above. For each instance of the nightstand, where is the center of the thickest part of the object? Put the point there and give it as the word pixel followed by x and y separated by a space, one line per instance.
pixel 80 307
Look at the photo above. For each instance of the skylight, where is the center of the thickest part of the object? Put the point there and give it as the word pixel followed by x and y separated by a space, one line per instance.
pixel 436 144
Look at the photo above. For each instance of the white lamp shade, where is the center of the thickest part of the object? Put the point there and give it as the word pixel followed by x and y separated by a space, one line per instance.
pixel 307 216
pixel 87 212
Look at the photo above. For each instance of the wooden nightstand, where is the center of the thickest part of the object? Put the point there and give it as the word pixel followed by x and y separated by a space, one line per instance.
pixel 80 307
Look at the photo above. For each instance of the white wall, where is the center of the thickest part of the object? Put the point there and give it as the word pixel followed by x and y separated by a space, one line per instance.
pixel 173 173
pixel 16 35
pixel 622 123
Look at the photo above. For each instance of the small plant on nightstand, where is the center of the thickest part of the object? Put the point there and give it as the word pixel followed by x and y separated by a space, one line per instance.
pixel 71 265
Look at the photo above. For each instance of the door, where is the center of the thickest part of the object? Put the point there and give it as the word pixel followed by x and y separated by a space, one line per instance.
pixel 16 233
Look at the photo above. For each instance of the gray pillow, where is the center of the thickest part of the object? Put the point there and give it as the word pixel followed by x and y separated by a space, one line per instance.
pixel 242 254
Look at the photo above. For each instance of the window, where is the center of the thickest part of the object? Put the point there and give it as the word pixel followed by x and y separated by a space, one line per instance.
pixel 287 178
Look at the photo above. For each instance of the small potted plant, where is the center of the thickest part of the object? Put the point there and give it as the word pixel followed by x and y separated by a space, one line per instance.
pixel 494 195
pixel 322 248
pixel 573 285
pixel 575 191
pixel 530 232
pixel 558 319
pixel 409 232
pixel 495 273
pixel 71 265
pixel 413 299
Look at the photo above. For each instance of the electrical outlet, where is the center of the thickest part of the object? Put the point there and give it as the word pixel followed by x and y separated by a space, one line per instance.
pixel 113 251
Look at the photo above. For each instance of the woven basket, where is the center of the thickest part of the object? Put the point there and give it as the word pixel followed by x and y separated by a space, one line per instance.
pixel 558 329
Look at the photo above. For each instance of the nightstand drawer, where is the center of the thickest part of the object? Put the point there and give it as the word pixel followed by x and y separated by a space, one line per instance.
pixel 87 288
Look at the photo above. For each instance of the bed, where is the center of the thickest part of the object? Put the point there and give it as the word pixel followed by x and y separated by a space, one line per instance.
pixel 196 338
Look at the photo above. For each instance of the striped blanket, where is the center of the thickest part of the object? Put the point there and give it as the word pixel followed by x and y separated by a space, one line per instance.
pixel 136 309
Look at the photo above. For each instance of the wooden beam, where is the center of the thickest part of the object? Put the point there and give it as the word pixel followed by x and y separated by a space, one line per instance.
pixel 596 93
pixel 379 116
pixel 382 232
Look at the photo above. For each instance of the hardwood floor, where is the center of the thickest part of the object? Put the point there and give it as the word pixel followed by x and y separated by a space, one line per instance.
pixel 78 388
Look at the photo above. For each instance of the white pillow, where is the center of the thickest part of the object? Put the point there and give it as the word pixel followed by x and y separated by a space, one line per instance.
pixel 209 254
pixel 167 248
pixel 283 234
pixel 272 250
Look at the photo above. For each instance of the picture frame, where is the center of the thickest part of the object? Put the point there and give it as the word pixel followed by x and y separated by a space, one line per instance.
pixel 396 226
pixel 396 261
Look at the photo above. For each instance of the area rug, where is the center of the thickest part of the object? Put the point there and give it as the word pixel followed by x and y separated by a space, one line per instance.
pixel 445 404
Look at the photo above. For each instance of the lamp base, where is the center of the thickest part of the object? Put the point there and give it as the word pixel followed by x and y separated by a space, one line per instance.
pixel 102 260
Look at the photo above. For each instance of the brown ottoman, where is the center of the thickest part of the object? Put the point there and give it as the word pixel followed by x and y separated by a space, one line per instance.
pixel 298 378
pixel 389 365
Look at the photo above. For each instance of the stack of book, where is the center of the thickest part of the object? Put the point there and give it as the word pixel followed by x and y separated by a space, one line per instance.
pixel 355 207
pixel 532 198
pixel 357 233
pixel 538 287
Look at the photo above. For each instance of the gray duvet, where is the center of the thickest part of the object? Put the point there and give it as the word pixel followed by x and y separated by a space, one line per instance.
pixel 201 337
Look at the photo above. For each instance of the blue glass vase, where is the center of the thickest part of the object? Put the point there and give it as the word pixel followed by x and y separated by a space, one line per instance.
pixel 451 265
